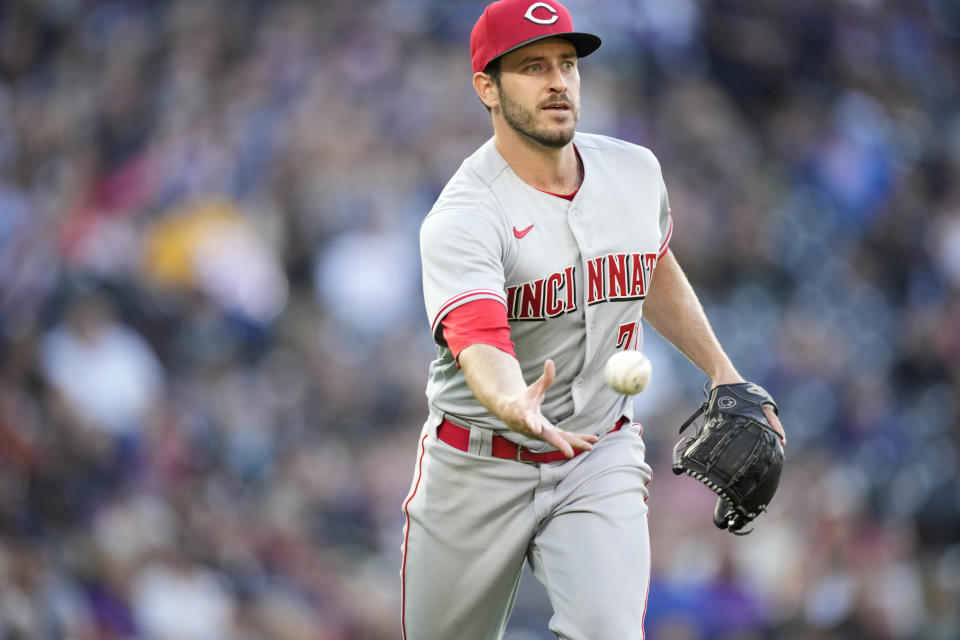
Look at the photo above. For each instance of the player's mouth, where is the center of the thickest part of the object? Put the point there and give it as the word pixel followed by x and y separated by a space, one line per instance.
pixel 557 106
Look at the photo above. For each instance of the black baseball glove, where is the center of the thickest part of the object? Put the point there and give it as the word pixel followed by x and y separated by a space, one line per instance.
pixel 735 453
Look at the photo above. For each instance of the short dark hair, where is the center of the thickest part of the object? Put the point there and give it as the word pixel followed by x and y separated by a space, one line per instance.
pixel 494 70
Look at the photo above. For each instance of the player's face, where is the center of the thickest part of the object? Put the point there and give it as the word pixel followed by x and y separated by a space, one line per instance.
pixel 539 91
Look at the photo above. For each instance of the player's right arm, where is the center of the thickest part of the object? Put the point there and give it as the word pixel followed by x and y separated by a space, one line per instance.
pixel 462 252
pixel 497 382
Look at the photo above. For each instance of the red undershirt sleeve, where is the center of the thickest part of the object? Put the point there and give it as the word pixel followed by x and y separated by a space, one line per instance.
pixel 481 321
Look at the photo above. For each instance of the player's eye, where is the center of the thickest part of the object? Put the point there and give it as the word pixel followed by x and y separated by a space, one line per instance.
pixel 536 66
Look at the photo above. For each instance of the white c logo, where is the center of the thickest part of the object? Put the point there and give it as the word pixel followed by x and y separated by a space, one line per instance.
pixel 541 5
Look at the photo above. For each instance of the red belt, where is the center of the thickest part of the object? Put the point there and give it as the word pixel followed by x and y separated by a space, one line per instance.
pixel 459 438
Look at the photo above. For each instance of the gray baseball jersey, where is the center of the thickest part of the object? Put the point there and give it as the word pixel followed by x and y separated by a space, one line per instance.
pixel 572 274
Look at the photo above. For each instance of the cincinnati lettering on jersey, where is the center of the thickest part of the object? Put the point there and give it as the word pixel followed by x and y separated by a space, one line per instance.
pixel 544 298
pixel 615 276
pixel 619 276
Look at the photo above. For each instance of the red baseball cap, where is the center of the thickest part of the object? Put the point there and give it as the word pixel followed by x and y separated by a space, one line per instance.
pixel 510 24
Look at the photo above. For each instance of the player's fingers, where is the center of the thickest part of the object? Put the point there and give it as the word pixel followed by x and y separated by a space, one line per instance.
pixel 545 379
pixel 580 440
pixel 555 437
pixel 775 423
pixel 563 439
pixel 549 371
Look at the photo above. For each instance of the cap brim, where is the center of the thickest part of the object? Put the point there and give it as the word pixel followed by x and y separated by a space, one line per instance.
pixel 584 43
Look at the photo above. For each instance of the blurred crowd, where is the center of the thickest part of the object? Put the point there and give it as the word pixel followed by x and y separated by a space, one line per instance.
pixel 213 346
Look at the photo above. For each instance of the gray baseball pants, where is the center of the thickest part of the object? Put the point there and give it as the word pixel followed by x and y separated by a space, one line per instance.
pixel 472 520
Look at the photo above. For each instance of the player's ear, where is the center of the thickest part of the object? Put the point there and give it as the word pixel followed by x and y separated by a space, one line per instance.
pixel 486 89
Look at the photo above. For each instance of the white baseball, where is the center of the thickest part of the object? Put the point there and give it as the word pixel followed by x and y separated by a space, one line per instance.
pixel 628 372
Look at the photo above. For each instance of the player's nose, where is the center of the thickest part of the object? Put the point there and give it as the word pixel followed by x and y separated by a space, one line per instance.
pixel 558 82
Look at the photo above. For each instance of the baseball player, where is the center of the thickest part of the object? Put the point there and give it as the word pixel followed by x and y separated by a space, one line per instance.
pixel 539 257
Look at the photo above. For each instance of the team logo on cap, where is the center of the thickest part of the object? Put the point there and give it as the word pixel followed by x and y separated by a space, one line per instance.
pixel 541 5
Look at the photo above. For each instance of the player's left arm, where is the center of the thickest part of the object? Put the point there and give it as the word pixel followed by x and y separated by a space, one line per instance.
pixel 673 309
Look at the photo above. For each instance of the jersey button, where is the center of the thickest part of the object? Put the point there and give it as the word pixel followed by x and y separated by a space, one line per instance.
pixel 576 213
pixel 579 382
pixel 588 242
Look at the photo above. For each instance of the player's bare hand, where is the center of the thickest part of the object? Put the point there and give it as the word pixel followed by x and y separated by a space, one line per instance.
pixel 775 423
pixel 523 415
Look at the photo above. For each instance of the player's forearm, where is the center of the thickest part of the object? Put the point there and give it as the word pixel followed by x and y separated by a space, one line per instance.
pixel 673 309
pixel 494 377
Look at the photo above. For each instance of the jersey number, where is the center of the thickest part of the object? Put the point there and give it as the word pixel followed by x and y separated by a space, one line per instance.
pixel 626 334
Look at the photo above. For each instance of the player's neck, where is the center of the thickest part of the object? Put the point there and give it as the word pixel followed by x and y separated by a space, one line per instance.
pixel 544 168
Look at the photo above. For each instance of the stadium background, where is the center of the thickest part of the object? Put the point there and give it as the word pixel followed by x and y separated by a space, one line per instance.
pixel 213 346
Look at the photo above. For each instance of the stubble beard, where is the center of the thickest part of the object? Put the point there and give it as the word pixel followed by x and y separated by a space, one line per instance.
pixel 524 121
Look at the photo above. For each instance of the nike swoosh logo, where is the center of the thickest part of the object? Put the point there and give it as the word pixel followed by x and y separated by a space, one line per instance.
pixel 519 234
